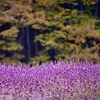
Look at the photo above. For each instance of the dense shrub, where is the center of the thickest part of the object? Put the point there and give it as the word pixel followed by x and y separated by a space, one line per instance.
pixel 60 81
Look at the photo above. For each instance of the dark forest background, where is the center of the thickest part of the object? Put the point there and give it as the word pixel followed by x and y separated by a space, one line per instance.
pixel 33 31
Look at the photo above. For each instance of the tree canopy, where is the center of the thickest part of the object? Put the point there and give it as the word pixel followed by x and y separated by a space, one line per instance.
pixel 44 30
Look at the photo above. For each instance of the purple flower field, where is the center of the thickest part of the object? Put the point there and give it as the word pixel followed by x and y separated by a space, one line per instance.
pixel 60 81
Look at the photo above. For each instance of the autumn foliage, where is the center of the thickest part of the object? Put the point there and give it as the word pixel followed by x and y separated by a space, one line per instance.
pixel 49 30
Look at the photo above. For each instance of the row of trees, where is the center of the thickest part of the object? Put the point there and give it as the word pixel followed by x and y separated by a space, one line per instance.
pixel 49 30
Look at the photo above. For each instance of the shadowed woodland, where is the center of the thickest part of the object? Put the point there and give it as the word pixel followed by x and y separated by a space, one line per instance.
pixel 45 30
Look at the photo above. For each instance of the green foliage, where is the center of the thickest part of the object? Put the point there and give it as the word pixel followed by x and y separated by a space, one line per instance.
pixel 11 46
pixel 18 14
pixel 13 59
pixel 41 57
pixel 69 40
pixel 11 33
pixel 64 29
pixel 90 2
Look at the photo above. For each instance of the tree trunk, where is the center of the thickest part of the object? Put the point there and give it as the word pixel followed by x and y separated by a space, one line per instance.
pixel 22 39
pixel 36 43
pixel 13 52
pixel 96 9
pixel 28 44
pixel 80 4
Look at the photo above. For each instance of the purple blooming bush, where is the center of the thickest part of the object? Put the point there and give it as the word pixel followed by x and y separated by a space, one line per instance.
pixel 61 81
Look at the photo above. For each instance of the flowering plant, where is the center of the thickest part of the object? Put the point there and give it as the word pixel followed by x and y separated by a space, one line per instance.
pixel 59 81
